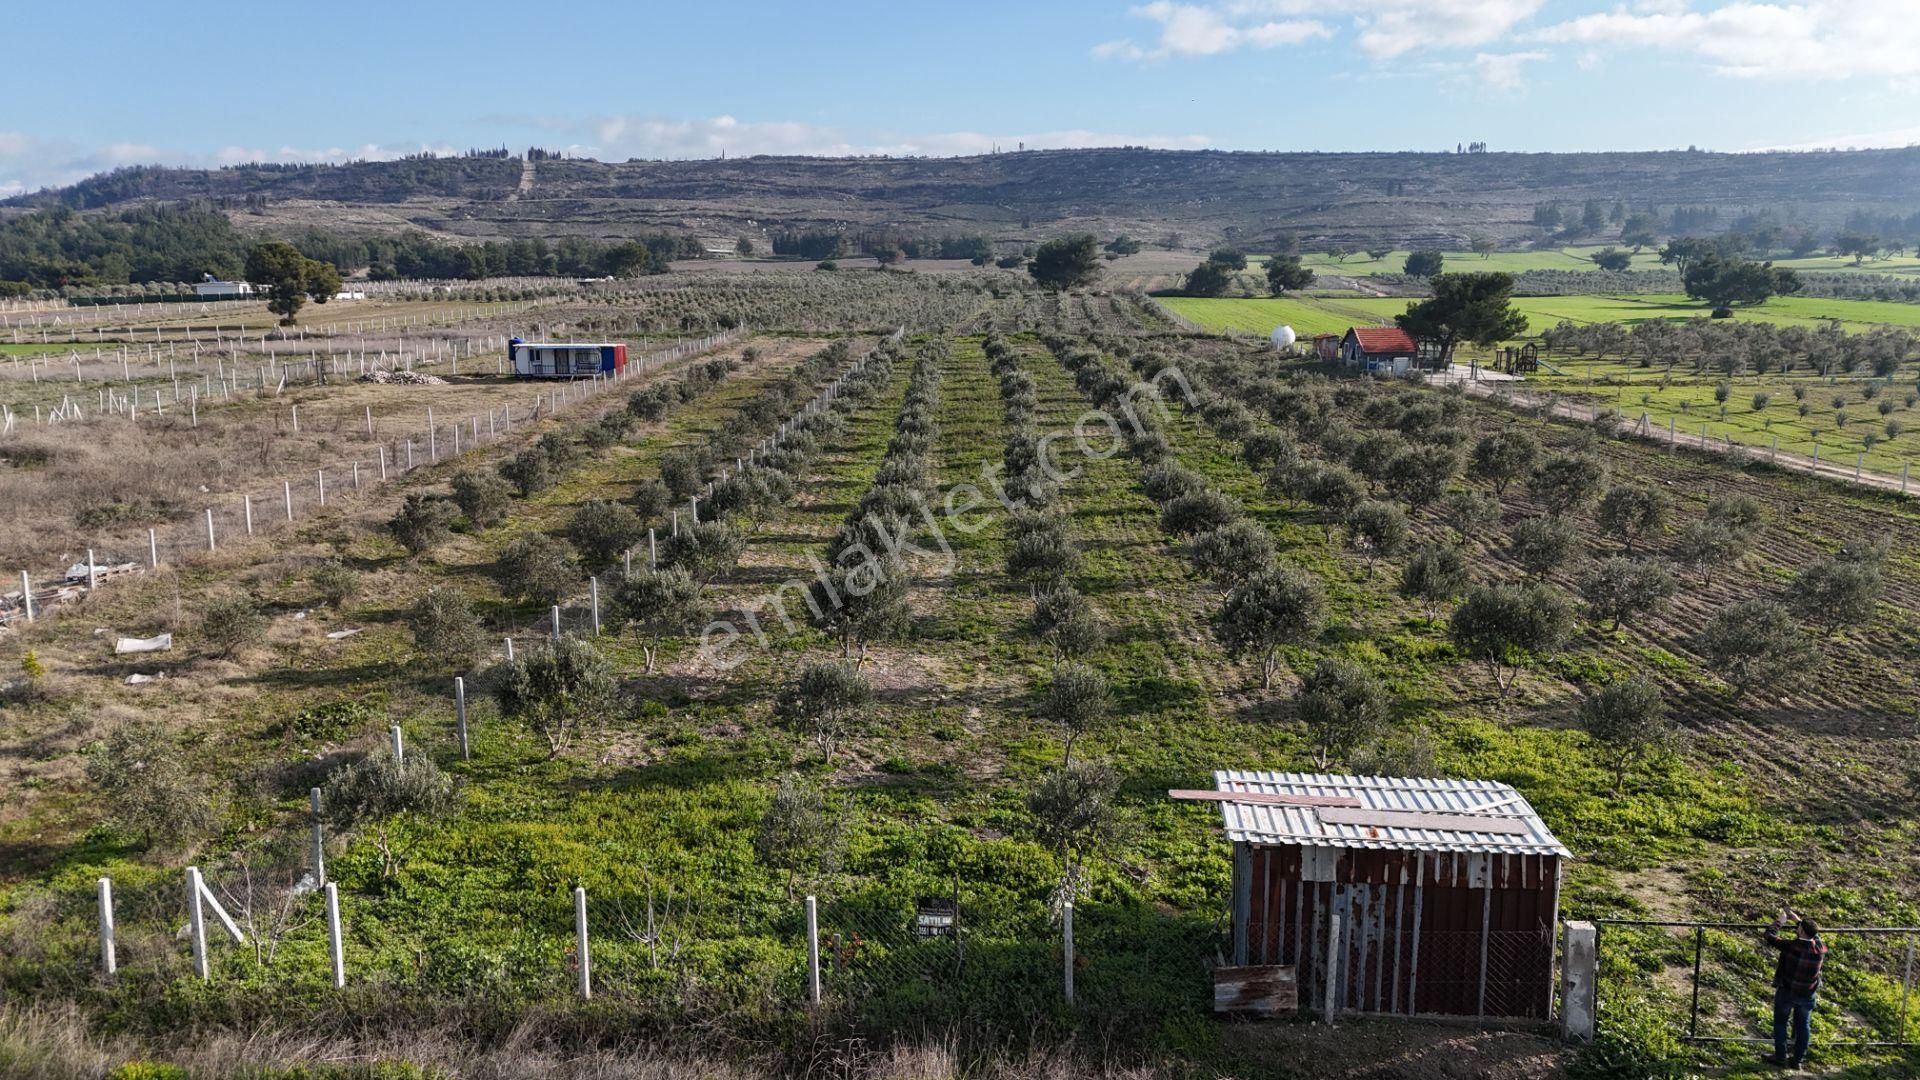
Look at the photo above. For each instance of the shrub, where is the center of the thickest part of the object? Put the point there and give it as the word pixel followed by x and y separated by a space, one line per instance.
pixel 445 625
pixel 484 497
pixel 704 551
pixel 559 690
pixel 649 404
pixel 529 471
pixel 230 622
pixel 603 531
pixel 822 701
pixel 380 787
pixel 650 500
pixel 1041 557
pixel 1343 707
pixel 336 582
pixel 537 568
pixel 146 788
pixel 423 522
pixel 1198 511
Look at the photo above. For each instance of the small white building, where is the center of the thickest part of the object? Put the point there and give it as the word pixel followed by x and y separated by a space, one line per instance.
pixel 211 289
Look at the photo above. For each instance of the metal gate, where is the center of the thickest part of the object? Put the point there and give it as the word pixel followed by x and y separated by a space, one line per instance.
pixel 1724 973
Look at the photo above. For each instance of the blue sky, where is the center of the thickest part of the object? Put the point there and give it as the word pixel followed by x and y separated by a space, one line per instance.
pixel 87 88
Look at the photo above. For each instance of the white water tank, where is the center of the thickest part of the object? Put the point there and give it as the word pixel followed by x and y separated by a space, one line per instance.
pixel 1283 337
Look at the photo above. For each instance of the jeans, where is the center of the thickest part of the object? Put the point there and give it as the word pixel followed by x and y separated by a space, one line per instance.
pixel 1787 1004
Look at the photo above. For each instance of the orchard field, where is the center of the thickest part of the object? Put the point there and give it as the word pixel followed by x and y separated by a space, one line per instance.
pixel 701 794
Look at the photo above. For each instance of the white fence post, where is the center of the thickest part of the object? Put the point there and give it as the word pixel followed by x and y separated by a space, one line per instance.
pixel 108 962
pixel 813 951
pixel 399 744
pixel 210 543
pixel 286 489
pixel 153 550
pixel 593 588
pixel 197 923
pixel 580 940
pixel 460 713
pixel 1331 1006
pixel 1579 972
pixel 335 951
pixel 556 624
pixel 26 592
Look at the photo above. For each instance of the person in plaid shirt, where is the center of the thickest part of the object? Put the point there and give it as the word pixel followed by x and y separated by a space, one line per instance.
pixel 1796 979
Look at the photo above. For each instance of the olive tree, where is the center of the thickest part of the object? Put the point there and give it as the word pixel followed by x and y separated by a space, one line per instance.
pixel 446 627
pixel 705 550
pixel 1076 816
pixel 1567 482
pixel 1270 609
pixel 823 701
pixel 1434 576
pixel 1756 644
pixel 1836 592
pixel 381 788
pixel 604 531
pixel 1627 720
pixel 1498 625
pixel 1377 530
pixel 1544 544
pixel 658 604
pixel 1503 457
pixel 799 831
pixel 1470 513
pixel 230 622
pixel 1631 512
pixel 1343 707
pixel 1707 546
pixel 423 522
pixel 484 497
pixel 1232 552
pixel 1067 621
pixel 861 604
pixel 559 689
pixel 1077 701
pixel 1199 511
pixel 536 567
pixel 1621 589
pixel 1419 474
pixel 146 787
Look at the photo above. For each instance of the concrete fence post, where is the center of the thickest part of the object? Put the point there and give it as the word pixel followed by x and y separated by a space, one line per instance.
pixel 108 962
pixel 1330 1006
pixel 246 506
pixel 1066 948
pixel 153 550
pixel 813 951
pixel 383 464
pixel 593 590
pixel 580 944
pixel 509 650
pixel 1859 462
pixel 26 589
pixel 626 563
pixel 399 744
pixel 93 571
pixel 335 952
pixel 320 478
pixel 1579 978
pixel 197 924
pixel 319 839
pixel 556 624
pixel 210 543
pixel 653 551
pixel 460 713
pixel 286 491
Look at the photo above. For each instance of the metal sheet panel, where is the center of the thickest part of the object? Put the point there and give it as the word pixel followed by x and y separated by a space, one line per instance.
pixel 1301 825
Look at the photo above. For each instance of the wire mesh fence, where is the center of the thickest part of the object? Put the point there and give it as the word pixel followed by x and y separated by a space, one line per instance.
pixel 1723 974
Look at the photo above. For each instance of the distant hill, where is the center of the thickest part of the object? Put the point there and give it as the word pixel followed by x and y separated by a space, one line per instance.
pixel 1398 198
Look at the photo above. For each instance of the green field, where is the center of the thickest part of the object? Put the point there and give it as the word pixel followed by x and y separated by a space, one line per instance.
pixel 1513 262
pixel 1318 315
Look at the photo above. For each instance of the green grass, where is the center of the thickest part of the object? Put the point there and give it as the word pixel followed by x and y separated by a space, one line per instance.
pixel 1513 262
pixel 1307 316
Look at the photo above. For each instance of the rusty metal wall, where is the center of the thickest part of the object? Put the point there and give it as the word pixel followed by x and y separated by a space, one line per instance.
pixel 1426 933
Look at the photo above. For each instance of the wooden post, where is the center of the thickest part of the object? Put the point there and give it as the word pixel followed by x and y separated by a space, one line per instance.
pixel 108 962
pixel 580 941
pixel 319 843
pixel 813 951
pixel 460 712
pixel 399 744
pixel 335 952
pixel 1066 942
pixel 197 924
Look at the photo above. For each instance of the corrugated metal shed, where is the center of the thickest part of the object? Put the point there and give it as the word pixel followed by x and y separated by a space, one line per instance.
pixel 1263 823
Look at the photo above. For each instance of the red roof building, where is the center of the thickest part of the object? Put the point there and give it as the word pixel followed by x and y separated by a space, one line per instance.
pixel 1382 350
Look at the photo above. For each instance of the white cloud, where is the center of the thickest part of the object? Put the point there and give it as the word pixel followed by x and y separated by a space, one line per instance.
pixel 626 136
pixel 1383 28
pixel 29 163
pixel 1895 138
pixel 1501 71
pixel 1809 39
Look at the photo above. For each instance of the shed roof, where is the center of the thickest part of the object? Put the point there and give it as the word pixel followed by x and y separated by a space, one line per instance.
pixel 1385 818
pixel 1384 339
